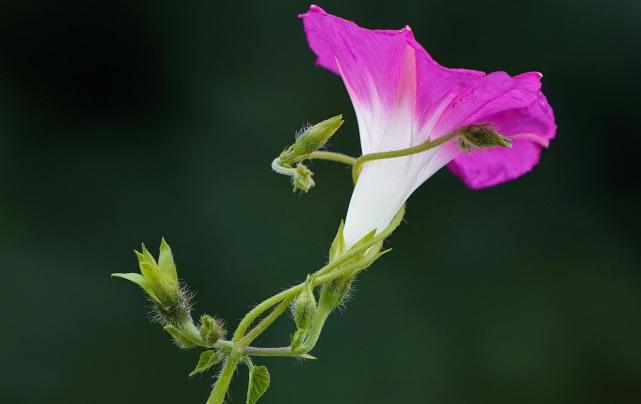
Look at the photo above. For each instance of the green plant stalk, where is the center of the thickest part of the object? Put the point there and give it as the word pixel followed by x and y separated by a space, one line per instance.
pixel 427 145
pixel 326 155
pixel 266 322
pixel 221 386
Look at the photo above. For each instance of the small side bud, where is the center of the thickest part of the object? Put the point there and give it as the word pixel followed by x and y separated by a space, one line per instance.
pixel 302 178
pixel 316 136
pixel 336 292
pixel 304 306
pixel 211 330
pixel 481 136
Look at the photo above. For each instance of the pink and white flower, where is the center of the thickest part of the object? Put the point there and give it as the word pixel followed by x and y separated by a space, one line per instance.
pixel 402 97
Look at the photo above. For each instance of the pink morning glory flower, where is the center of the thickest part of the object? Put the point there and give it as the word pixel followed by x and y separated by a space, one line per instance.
pixel 402 97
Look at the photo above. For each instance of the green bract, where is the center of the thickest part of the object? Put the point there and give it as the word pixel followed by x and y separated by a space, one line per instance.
pixel 304 306
pixel 311 139
pixel 481 136
pixel 302 178
pixel 158 279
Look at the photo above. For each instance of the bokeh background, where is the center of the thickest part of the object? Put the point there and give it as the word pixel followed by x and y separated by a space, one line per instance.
pixel 125 121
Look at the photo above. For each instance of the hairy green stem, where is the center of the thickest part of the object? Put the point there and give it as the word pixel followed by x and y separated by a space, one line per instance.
pixel 329 274
pixel 219 391
pixel 266 322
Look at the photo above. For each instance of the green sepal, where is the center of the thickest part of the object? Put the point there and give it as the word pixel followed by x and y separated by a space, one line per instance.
pixel 338 245
pixel 303 178
pixel 207 360
pixel 166 261
pixel 304 306
pixel 140 281
pixel 181 339
pixel 161 284
pixel 258 383
pixel 365 239
pixel 297 339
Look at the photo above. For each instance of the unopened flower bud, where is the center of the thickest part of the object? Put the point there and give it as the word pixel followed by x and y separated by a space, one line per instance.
pixel 304 306
pixel 302 178
pixel 336 292
pixel 481 136
pixel 211 330
pixel 160 281
pixel 316 136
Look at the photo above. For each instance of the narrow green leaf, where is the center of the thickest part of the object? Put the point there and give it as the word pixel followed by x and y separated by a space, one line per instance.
pixel 258 383
pixel 206 361
pixel 166 261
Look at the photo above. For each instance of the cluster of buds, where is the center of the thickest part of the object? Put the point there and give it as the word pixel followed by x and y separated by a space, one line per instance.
pixel 308 141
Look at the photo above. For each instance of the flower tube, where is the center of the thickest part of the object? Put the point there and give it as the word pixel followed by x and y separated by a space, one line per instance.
pixel 403 98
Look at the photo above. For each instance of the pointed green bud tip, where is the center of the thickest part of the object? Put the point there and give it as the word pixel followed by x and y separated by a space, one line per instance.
pixel 302 178
pixel 158 279
pixel 338 245
pixel 482 136
pixel 304 306
pixel 211 330
pixel 316 136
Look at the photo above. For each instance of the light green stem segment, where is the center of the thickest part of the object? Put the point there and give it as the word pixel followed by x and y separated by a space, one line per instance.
pixel 427 145
pixel 241 340
pixel 219 392
pixel 331 156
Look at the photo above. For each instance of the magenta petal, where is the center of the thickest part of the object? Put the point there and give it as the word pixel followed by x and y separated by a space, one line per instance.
pixel 382 68
pixel 373 64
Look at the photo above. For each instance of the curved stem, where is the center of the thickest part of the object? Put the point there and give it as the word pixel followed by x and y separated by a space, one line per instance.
pixel 427 145
pixel 276 166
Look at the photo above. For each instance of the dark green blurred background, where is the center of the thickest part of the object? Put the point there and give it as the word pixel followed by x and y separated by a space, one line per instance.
pixel 125 121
